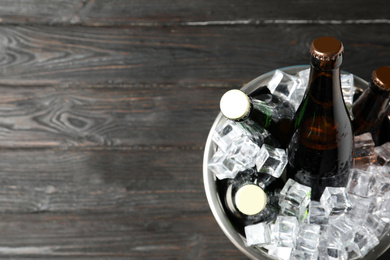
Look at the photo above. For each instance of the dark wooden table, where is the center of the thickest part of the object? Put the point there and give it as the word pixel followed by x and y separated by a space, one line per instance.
pixel 105 108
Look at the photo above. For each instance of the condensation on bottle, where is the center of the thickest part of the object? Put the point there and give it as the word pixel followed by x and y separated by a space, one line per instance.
pixel 321 148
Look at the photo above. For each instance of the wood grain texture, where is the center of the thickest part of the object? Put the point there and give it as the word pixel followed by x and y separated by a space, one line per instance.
pixel 168 12
pixel 107 204
pixel 186 12
pixel 105 108
pixel 107 117
pixel 174 56
pixel 137 181
pixel 114 236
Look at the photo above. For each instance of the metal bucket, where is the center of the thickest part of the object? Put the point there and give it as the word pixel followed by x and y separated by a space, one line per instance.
pixel 210 181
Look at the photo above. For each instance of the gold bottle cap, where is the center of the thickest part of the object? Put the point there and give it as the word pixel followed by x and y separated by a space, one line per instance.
pixel 326 48
pixel 235 104
pixel 250 199
pixel 381 78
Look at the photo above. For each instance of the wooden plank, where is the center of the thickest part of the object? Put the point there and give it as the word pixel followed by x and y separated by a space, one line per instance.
pixel 107 204
pixel 168 12
pixel 109 117
pixel 38 11
pixel 154 181
pixel 67 89
pixel 179 12
pixel 174 56
pixel 175 235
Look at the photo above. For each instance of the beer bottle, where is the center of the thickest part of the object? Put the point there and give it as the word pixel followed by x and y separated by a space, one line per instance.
pixel 371 107
pixel 321 147
pixel 271 114
pixel 251 197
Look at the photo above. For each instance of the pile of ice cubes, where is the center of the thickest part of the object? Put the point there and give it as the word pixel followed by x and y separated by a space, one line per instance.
pixel 238 151
pixel 293 88
pixel 346 222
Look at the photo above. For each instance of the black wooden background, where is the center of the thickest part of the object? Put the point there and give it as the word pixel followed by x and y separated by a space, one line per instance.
pixel 105 107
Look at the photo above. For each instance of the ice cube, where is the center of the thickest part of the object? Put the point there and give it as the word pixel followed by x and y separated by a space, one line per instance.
pixel 382 180
pixel 375 224
pixel 258 234
pixel 294 199
pixel 335 201
pixel 273 238
pixel 364 154
pixel 299 254
pixel 385 170
pixel 282 83
pixel 262 157
pixel 271 160
pixel 223 167
pixel 331 249
pixel 363 241
pixel 362 183
pixel 285 231
pixel 348 88
pixel 263 179
pixel 317 213
pixel 360 208
pixel 382 209
pixel 342 229
pixel 288 87
pixel 280 252
pixel 383 154
pixel 225 134
pixel 308 238
pixel 256 133
pixel 244 152
pixel 303 76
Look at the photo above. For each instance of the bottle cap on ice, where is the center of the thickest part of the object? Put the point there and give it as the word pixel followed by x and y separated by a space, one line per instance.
pixel 381 78
pixel 250 199
pixel 235 104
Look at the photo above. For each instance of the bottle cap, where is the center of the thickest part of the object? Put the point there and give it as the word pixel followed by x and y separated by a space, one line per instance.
pixel 326 48
pixel 381 78
pixel 235 104
pixel 250 199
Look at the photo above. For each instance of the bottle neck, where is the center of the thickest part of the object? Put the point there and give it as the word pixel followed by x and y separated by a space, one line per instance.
pixel 373 99
pixel 323 96
pixel 378 97
pixel 326 64
pixel 379 92
pixel 324 85
pixel 370 109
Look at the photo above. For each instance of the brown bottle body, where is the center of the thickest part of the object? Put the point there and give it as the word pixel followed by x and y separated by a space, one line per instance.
pixel 321 149
pixel 372 106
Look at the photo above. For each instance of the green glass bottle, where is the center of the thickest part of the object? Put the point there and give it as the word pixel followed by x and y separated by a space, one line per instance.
pixel 250 198
pixel 321 149
pixel 271 113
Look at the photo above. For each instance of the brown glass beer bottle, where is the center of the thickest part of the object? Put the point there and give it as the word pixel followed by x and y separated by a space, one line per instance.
pixel 371 107
pixel 321 147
